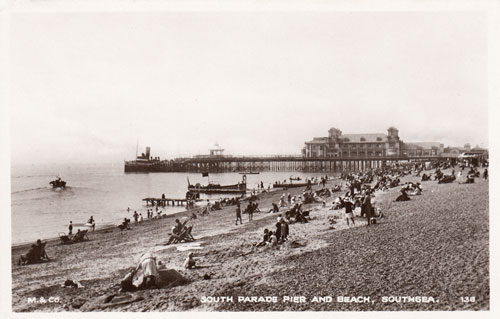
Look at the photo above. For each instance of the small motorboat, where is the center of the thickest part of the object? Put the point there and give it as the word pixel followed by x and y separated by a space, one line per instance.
pixel 58 183
pixel 295 178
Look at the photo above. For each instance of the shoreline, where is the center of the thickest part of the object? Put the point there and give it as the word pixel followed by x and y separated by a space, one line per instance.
pixel 104 229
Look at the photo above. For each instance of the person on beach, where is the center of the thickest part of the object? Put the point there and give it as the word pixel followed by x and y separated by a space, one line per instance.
pixel 250 210
pixel 367 206
pixel 136 217
pixel 282 202
pixel 278 228
pixel 70 228
pixel 124 225
pixel 284 230
pixel 178 230
pixel 273 239
pixel 141 219
pixel 190 263
pixel 347 204
pixel 238 214
pixel 485 173
pixel 265 239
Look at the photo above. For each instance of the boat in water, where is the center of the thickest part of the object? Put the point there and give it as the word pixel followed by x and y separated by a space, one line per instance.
pixel 295 178
pixel 142 163
pixel 211 188
pixel 58 183
pixel 249 173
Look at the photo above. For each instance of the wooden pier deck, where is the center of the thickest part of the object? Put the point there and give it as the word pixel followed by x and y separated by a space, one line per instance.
pixel 151 201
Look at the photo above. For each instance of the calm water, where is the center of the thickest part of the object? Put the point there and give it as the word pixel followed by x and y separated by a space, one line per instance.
pixel 103 191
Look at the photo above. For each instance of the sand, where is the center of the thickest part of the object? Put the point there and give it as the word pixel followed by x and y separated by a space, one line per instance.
pixel 435 245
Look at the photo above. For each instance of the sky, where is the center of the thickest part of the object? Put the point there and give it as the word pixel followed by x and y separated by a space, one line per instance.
pixel 87 87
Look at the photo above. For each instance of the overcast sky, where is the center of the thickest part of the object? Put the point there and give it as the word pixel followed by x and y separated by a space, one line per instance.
pixel 85 87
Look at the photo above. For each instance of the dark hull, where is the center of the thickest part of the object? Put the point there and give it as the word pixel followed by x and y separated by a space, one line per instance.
pixel 138 167
pixel 58 184
pixel 289 185
pixel 217 189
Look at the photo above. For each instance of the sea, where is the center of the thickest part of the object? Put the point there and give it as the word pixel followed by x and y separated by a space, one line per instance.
pixel 105 192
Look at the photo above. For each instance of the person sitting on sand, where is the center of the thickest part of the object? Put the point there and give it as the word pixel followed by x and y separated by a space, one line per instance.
pixel 42 254
pixel 125 224
pixel 190 263
pixel 273 239
pixel 30 257
pixel 34 255
pixel 403 197
pixel 274 209
pixel 265 239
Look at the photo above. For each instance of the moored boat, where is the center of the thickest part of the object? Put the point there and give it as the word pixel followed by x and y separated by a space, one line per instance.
pixel 211 188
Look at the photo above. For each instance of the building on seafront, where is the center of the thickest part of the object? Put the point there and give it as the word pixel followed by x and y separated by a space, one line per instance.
pixel 337 144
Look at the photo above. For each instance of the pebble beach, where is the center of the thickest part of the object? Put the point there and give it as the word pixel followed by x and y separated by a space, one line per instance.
pixel 434 246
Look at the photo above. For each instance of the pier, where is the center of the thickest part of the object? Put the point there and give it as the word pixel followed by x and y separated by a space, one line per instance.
pixel 150 201
pixel 216 164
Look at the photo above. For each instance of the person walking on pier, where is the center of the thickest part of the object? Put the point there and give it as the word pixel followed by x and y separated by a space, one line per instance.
pixel 238 214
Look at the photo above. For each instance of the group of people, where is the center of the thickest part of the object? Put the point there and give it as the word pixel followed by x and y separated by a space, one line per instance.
pixel 35 254
pixel 279 235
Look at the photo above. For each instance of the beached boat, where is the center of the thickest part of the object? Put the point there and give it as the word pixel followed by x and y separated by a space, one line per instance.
pixel 288 185
pixel 58 183
pixel 211 188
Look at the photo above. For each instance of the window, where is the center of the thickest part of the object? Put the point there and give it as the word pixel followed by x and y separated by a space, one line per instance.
pixel 346 139
pixel 379 139
pixel 362 139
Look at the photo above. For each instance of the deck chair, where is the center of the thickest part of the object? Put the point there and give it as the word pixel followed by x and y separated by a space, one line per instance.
pixel 80 236
pixel 65 239
pixel 185 236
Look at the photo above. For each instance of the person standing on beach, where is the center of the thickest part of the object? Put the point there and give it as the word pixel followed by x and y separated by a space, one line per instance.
pixel 250 209
pixel 136 217
pixel 485 173
pixel 70 228
pixel 348 210
pixel 367 205
pixel 238 214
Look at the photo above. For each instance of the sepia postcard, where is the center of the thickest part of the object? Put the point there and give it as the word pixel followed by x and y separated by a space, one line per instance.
pixel 309 157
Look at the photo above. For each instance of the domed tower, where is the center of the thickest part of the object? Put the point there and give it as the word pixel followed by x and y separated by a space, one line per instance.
pixel 334 132
pixel 394 147
pixel 392 132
